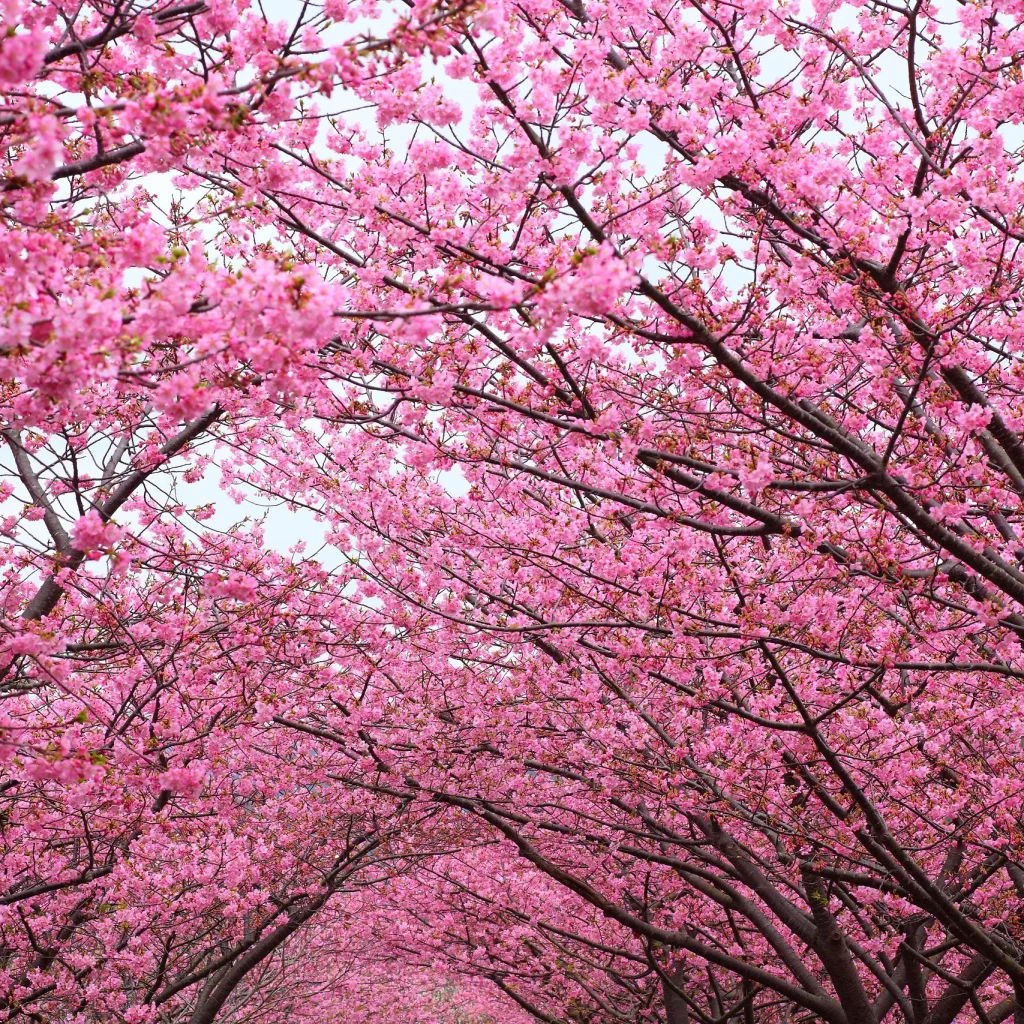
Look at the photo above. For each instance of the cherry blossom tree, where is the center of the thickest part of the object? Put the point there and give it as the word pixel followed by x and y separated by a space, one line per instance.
pixel 653 372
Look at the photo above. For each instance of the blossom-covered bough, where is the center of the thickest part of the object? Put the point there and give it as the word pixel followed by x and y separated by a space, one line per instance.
pixel 654 372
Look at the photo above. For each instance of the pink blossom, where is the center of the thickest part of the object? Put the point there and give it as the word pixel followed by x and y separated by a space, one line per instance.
pixel 92 533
